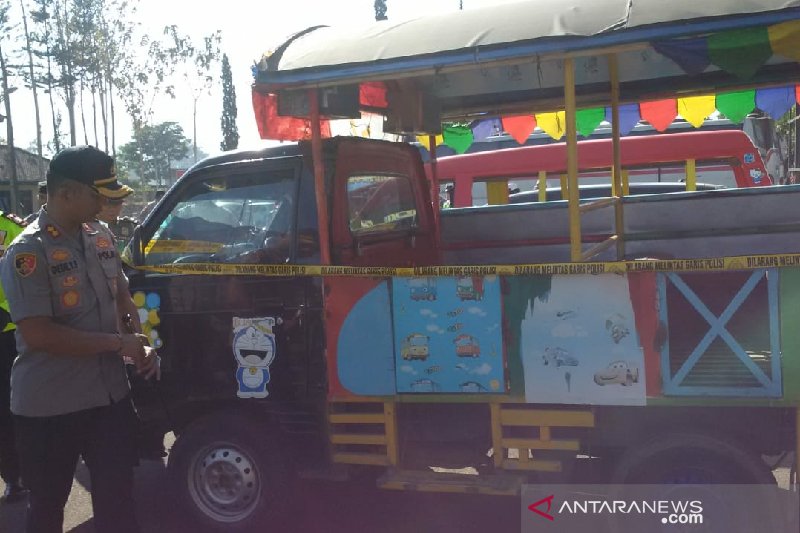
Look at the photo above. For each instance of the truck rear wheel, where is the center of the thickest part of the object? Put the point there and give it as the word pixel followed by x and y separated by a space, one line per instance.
pixel 692 466
pixel 691 458
pixel 229 474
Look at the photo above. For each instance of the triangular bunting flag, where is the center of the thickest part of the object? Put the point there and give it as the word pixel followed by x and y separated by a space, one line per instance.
pixel 459 138
pixel 423 140
pixel 629 117
pixel 553 124
pixel 689 54
pixel 659 113
pixel 588 119
pixel 776 101
pixel 784 39
pixel 519 126
pixel 485 128
pixel 736 105
pixel 740 52
pixel 695 109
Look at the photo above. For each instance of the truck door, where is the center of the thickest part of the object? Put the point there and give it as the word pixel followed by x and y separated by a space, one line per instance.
pixel 382 208
pixel 381 216
pixel 223 330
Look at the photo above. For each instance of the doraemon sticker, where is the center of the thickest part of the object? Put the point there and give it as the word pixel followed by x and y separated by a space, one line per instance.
pixel 254 350
pixel 749 158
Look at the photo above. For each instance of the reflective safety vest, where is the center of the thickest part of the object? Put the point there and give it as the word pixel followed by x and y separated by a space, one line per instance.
pixel 10 226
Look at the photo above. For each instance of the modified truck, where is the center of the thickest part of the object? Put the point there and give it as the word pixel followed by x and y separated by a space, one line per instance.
pixel 652 335
pixel 272 368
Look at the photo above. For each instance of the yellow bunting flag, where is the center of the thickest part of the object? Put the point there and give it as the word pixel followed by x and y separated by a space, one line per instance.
pixel 784 39
pixel 695 109
pixel 423 140
pixel 553 124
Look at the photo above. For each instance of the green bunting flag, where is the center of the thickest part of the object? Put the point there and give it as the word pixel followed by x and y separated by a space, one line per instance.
pixel 588 119
pixel 740 52
pixel 736 105
pixel 459 138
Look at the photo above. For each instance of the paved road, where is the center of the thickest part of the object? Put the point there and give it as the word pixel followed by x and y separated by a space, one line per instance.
pixel 321 507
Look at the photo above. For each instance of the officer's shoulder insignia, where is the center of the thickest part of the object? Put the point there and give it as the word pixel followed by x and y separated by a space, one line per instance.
pixel 53 231
pixel 25 264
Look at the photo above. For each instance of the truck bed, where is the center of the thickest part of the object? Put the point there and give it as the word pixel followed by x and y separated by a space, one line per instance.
pixel 686 225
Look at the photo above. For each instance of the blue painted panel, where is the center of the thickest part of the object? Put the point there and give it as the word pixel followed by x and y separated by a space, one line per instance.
pixel 365 348
pixel 448 334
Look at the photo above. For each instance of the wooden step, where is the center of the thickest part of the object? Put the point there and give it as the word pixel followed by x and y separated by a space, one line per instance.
pixel 429 481
pixel 355 458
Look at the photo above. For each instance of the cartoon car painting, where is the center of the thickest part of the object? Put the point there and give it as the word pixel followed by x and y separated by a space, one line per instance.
pixel 422 288
pixel 467 346
pixel 425 385
pixel 615 325
pixel 415 347
pixel 558 357
pixel 469 288
pixel 472 386
pixel 619 373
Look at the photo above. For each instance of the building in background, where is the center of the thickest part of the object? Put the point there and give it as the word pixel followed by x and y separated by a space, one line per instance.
pixel 31 169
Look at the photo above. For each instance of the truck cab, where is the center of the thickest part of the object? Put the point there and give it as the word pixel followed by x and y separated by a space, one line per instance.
pixel 190 276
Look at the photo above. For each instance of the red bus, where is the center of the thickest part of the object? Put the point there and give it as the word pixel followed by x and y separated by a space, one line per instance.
pixel 726 158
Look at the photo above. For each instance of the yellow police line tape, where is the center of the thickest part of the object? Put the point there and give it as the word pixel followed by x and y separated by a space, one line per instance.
pixel 745 262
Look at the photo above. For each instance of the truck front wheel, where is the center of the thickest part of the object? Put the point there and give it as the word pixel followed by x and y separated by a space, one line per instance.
pixel 229 474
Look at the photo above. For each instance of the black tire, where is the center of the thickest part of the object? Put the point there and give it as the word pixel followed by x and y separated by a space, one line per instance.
pixel 691 458
pixel 688 466
pixel 229 474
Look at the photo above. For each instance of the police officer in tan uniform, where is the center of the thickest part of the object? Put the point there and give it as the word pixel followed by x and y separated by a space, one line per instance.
pixel 121 227
pixel 69 389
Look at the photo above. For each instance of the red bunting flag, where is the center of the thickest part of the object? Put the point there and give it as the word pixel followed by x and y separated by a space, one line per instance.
pixel 519 126
pixel 659 113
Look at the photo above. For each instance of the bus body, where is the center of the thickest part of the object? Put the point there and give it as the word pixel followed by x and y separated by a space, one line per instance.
pixel 726 158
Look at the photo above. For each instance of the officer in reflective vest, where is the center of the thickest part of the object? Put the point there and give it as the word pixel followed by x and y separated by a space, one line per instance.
pixel 10 227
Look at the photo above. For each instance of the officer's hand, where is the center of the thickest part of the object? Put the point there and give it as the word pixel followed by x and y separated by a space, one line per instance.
pixel 133 348
pixel 151 366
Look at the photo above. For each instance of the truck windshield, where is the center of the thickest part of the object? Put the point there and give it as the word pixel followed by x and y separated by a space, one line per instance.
pixel 238 218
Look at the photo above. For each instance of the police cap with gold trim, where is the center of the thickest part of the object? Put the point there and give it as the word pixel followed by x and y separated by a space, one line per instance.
pixel 90 166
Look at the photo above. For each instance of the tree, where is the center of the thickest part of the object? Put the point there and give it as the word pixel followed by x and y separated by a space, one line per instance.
pixel 6 96
pixel 152 152
pixel 44 40
pixel 230 133
pixel 34 88
pixel 198 62
pixel 380 10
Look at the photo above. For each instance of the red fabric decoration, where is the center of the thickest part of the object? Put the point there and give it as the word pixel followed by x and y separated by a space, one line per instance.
pixel 278 128
pixel 519 126
pixel 659 113
pixel 797 93
pixel 372 94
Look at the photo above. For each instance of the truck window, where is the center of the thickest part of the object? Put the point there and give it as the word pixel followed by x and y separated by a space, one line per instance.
pixel 230 219
pixel 380 203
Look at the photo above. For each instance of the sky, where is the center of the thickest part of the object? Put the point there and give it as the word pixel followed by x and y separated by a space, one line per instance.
pixel 248 28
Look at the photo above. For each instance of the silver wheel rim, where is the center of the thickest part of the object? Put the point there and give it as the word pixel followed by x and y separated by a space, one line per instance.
pixel 224 482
